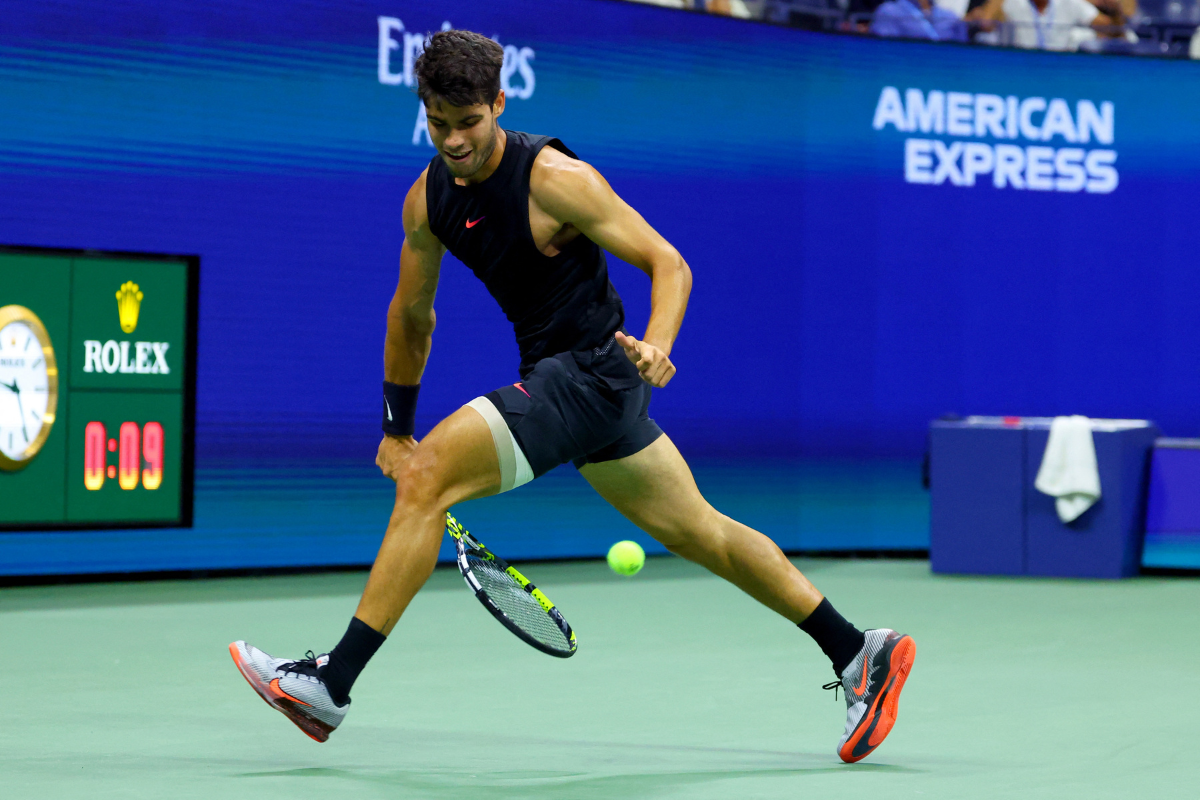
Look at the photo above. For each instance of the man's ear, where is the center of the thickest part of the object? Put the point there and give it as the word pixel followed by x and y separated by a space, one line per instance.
pixel 498 106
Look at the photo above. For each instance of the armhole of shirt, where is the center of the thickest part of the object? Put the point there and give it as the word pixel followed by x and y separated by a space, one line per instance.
pixel 527 173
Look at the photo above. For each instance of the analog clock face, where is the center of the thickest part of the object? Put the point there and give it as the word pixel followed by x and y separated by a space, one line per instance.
pixel 25 391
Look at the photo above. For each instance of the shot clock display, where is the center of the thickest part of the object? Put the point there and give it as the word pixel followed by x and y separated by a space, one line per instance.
pixel 96 389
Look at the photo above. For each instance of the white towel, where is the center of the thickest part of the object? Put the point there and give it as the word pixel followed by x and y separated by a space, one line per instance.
pixel 1068 472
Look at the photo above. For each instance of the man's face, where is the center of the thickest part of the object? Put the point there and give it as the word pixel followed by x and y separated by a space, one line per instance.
pixel 465 136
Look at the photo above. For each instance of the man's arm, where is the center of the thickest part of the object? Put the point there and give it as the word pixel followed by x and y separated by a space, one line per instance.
pixel 1109 14
pixel 410 319
pixel 573 193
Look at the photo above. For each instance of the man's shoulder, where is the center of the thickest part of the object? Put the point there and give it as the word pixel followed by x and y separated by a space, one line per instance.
pixel 416 208
pixel 556 172
pixel 1081 11
pixel 565 187
pixel 552 158
pixel 416 192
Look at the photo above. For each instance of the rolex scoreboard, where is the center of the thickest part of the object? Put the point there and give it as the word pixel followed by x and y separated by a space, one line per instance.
pixel 97 389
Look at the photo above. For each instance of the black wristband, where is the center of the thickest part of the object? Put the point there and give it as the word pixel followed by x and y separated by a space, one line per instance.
pixel 399 408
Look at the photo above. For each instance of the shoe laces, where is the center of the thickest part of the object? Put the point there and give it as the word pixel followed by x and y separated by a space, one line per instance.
pixel 304 666
pixel 835 685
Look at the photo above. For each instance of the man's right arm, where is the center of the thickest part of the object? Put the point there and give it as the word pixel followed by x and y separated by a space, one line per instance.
pixel 411 319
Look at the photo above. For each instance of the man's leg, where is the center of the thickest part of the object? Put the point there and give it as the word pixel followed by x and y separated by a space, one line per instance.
pixel 457 461
pixel 655 490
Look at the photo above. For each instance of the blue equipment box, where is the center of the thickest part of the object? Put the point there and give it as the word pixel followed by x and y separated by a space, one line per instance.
pixel 986 517
pixel 1173 507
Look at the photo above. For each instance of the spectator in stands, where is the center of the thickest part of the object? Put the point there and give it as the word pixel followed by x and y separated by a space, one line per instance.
pixel 667 3
pixel 744 9
pixel 918 19
pixel 1054 24
pixel 967 10
pixel 733 8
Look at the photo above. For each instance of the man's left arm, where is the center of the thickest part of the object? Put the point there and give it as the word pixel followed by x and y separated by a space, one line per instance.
pixel 574 193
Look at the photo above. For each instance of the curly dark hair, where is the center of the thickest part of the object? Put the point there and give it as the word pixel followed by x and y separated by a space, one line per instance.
pixel 461 67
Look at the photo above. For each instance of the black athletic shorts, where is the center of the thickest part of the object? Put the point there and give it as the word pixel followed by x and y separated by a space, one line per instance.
pixel 582 406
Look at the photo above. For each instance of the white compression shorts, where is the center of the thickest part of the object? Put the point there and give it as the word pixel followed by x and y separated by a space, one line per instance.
pixel 514 466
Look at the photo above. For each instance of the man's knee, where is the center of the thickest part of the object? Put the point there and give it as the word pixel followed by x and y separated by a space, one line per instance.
pixel 417 484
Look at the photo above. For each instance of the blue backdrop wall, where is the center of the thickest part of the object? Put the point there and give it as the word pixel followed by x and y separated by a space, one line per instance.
pixel 880 232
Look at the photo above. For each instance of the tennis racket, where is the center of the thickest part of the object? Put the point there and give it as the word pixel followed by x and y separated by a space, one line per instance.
pixel 510 597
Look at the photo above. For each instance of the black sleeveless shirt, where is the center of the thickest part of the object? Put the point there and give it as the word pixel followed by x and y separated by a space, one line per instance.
pixel 555 303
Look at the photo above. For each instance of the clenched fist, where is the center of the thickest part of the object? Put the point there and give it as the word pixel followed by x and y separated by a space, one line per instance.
pixel 656 368
pixel 393 451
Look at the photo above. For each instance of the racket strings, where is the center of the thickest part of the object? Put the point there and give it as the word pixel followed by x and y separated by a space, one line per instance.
pixel 517 604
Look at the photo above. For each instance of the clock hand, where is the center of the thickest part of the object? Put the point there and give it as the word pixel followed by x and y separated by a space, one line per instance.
pixel 21 411
pixel 15 389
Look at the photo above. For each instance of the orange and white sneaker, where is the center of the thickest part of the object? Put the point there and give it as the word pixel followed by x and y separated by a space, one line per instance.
pixel 872 682
pixel 292 687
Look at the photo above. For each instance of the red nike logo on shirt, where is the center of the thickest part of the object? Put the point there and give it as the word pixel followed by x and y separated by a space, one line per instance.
pixel 473 223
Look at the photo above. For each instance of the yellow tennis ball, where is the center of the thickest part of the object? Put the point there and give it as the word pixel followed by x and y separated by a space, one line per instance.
pixel 626 558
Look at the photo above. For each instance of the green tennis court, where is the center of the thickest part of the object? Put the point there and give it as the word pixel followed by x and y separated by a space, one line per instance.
pixel 682 688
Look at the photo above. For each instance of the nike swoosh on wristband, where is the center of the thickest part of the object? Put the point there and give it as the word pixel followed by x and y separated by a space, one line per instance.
pixel 473 223
pixel 389 408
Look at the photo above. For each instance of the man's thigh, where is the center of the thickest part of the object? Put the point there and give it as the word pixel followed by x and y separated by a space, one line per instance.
pixel 558 414
pixel 456 461
pixel 653 488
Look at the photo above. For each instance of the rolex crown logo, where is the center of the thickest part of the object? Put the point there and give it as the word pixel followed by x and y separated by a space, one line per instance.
pixel 129 301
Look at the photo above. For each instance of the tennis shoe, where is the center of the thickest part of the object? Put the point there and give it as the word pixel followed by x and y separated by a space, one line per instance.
pixel 872 683
pixel 292 687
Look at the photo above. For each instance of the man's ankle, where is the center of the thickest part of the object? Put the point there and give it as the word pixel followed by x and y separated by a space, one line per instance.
pixel 348 658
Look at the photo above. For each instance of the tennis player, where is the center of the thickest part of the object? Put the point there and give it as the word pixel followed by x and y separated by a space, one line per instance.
pixel 532 221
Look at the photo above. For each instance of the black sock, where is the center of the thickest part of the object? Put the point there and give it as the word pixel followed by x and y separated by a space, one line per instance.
pixel 840 640
pixel 348 659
